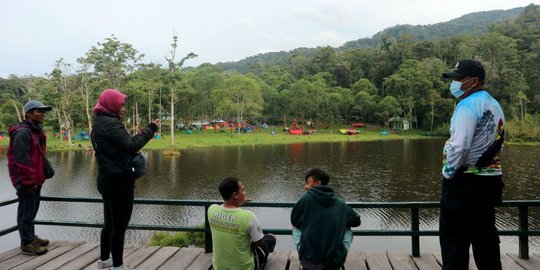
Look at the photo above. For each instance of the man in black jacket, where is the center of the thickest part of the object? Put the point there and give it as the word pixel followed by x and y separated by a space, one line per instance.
pixel 322 221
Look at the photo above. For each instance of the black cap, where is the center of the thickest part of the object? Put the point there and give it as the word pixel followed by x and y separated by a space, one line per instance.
pixel 35 104
pixel 464 68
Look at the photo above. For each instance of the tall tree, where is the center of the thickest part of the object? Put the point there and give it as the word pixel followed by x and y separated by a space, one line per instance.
pixel 65 84
pixel 175 76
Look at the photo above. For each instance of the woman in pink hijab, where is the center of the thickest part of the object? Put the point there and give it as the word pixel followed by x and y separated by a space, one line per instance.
pixel 114 149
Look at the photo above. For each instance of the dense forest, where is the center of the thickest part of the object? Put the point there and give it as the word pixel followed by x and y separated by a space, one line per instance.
pixel 398 75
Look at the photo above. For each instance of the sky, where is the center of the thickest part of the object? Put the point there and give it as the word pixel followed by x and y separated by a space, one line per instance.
pixel 34 34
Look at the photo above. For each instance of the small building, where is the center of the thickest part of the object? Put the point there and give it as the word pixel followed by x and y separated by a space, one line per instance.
pixel 399 123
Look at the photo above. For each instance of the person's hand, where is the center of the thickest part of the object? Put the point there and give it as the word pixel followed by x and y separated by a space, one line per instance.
pixel 157 122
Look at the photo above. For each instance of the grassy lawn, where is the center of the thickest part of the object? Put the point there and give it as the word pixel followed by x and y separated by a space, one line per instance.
pixel 208 138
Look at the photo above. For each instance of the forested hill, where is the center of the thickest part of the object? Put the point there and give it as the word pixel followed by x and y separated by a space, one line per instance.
pixel 473 23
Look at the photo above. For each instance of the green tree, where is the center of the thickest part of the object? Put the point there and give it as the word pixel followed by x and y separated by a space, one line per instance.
pixel 241 96
pixel 113 60
pixel 388 107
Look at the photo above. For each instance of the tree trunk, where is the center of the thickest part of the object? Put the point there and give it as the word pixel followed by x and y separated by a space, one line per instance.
pixel 172 117
pixel 432 115
pixel 19 116
pixel 137 121
pixel 149 104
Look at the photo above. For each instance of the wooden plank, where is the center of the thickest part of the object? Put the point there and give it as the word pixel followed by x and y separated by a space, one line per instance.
pixel 158 258
pixel 138 257
pixel 68 256
pixel 355 260
pixel 51 255
pixel 182 259
pixel 401 261
pixel 472 263
pixel 378 261
pixel 203 262
pixel 509 264
pixel 426 261
pixel 438 258
pixel 82 261
pixel 277 260
pixel 532 263
pixel 10 253
pixel 294 261
pixel 89 261
pixel 22 258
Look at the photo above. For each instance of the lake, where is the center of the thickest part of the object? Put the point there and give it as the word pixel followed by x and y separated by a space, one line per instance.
pixel 381 171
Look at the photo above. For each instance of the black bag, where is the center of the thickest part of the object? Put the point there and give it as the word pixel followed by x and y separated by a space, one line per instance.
pixel 48 169
pixel 137 165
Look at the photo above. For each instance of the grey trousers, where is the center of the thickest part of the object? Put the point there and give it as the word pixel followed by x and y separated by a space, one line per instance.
pixel 29 198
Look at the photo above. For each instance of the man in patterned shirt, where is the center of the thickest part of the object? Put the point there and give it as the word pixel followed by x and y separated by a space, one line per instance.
pixel 472 177
pixel 237 238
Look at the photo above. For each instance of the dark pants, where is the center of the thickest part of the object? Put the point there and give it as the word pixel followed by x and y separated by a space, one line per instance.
pixel 461 229
pixel 117 208
pixel 29 198
pixel 260 253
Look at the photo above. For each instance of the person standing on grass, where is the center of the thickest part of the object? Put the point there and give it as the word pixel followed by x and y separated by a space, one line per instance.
pixel 472 182
pixel 27 164
pixel 114 149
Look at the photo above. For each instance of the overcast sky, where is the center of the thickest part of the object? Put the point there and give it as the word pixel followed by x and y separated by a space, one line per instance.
pixel 35 33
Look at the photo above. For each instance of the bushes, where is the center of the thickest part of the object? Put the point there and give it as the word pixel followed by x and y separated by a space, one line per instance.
pixel 526 131
pixel 179 239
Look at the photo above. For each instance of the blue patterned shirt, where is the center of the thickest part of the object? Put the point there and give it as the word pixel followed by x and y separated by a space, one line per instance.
pixel 473 129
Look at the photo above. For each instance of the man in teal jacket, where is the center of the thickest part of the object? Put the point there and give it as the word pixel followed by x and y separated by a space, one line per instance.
pixel 322 222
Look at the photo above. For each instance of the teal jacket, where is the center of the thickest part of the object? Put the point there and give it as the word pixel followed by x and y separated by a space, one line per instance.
pixel 323 218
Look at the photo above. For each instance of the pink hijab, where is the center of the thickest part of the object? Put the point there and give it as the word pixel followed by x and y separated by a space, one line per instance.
pixel 110 101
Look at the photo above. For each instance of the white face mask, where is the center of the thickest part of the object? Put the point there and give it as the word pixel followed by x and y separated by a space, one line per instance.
pixel 455 88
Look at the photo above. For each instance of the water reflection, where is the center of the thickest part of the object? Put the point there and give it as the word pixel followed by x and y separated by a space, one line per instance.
pixel 407 170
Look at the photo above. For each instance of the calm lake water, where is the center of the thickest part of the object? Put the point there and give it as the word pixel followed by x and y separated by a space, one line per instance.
pixel 383 171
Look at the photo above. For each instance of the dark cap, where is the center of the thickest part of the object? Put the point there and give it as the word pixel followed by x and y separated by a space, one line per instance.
pixel 35 104
pixel 464 68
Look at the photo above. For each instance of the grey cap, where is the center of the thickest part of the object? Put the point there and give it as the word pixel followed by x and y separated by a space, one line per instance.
pixel 35 104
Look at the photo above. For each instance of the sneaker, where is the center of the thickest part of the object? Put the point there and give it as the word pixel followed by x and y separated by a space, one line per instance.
pixel 34 248
pixel 104 264
pixel 42 242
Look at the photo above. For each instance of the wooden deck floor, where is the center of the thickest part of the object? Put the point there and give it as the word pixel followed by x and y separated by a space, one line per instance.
pixel 68 255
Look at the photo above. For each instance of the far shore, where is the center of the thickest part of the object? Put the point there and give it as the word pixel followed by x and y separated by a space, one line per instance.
pixel 211 138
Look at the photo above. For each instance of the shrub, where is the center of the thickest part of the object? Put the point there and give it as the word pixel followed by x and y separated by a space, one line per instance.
pixel 179 239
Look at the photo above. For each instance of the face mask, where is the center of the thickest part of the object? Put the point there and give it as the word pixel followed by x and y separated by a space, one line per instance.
pixel 455 88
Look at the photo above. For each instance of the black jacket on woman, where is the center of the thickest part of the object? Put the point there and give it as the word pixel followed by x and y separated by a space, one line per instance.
pixel 114 148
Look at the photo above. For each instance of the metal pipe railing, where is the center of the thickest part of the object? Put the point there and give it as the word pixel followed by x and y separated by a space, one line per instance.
pixel 523 231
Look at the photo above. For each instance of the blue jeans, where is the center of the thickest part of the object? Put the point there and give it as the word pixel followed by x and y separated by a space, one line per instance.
pixel 347 238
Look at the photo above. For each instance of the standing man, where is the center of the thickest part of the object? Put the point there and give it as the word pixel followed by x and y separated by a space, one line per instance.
pixel 322 223
pixel 237 238
pixel 472 177
pixel 26 164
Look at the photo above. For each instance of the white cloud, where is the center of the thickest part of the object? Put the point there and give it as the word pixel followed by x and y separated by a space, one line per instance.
pixel 245 24
pixel 36 33
pixel 329 38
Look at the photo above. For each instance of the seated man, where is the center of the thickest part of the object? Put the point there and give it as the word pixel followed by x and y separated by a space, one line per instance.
pixel 322 223
pixel 238 240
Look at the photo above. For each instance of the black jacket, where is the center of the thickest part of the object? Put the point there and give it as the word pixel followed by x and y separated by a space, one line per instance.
pixel 114 147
